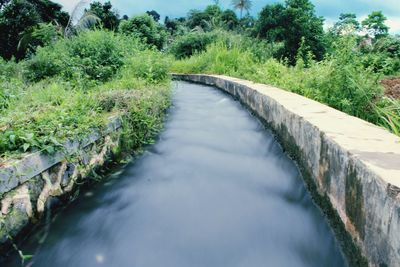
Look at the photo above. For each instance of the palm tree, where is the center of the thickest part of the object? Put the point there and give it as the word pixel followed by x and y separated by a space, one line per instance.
pixel 78 21
pixel 242 5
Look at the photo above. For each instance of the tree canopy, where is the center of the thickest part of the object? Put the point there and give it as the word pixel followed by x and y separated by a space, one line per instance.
pixel 347 23
pixel 19 16
pixel 109 18
pixel 374 24
pixel 292 23
pixel 144 27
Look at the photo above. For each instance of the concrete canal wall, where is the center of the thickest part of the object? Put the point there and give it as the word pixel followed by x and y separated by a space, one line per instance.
pixel 351 167
pixel 27 184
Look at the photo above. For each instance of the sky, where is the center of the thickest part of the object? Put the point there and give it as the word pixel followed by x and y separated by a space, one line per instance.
pixel 330 9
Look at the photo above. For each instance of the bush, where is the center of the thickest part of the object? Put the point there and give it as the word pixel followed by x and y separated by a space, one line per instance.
pixel 92 55
pixel 197 42
pixel 11 82
pixel 383 56
pixel 339 81
pixel 218 59
pixel 186 45
pixel 148 65
pixel 145 28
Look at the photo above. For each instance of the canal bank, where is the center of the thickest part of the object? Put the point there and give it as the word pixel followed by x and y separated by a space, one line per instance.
pixel 215 190
pixel 350 166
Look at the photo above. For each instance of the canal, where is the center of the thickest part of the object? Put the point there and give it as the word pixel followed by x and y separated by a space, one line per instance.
pixel 215 190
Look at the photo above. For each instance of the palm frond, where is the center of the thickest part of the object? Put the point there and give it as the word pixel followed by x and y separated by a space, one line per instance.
pixel 75 16
pixel 87 21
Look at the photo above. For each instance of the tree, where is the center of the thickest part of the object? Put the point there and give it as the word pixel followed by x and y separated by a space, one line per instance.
pixel 15 18
pixel 175 26
pixel 271 23
pixel 374 24
pixel 79 22
pixel 196 18
pixel 247 23
pixel 204 18
pixel 50 12
pixel 242 5
pixel 20 16
pixel 109 18
pixel 347 24
pixel 229 19
pixel 42 34
pixel 154 14
pixel 302 22
pixel 291 23
pixel 145 28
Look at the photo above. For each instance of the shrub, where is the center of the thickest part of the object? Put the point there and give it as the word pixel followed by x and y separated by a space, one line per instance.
pixel 383 56
pixel 92 55
pixel 145 28
pixel 197 42
pixel 148 65
pixel 389 114
pixel 186 45
pixel 339 81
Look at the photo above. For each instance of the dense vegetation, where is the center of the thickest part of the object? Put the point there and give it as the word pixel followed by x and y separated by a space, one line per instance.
pixel 72 87
pixel 63 75
pixel 286 46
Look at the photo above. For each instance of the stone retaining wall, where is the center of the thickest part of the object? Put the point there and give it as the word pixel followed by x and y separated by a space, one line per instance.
pixel 27 184
pixel 351 167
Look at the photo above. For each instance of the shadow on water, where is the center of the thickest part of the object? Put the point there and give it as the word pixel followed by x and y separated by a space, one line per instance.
pixel 216 190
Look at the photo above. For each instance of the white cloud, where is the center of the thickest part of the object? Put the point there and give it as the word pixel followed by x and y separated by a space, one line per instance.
pixel 394 24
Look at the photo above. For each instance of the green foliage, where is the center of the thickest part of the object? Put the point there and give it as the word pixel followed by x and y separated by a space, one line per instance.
pixel 187 45
pixel 271 23
pixel 341 81
pixel 145 28
pixel 92 55
pixel 290 23
pixel 383 56
pixel 202 19
pixel 347 24
pixel 19 17
pixel 109 18
pixel 148 65
pixel 212 18
pixel 154 14
pixel 41 35
pixel 197 42
pixel 229 19
pixel 218 59
pixel 375 25
pixel 11 82
pixel 42 116
pixel 389 112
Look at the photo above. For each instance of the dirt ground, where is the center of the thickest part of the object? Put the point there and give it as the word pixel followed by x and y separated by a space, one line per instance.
pixel 392 87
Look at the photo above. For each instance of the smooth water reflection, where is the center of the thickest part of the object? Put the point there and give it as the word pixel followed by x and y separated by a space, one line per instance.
pixel 216 190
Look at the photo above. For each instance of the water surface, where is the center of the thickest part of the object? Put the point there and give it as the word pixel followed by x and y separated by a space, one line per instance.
pixel 215 190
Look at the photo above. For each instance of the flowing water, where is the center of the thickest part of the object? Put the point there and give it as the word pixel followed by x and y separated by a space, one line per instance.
pixel 215 190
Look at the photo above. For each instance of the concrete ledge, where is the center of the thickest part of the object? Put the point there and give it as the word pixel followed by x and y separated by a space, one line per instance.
pixel 16 172
pixel 352 164
pixel 28 185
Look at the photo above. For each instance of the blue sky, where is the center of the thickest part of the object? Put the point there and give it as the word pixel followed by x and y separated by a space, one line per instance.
pixel 330 9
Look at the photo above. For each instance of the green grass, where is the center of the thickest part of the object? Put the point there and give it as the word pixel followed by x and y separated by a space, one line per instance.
pixel 41 115
pixel 340 81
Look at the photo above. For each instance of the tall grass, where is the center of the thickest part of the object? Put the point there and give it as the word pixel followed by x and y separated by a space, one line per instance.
pixel 73 86
pixel 340 81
